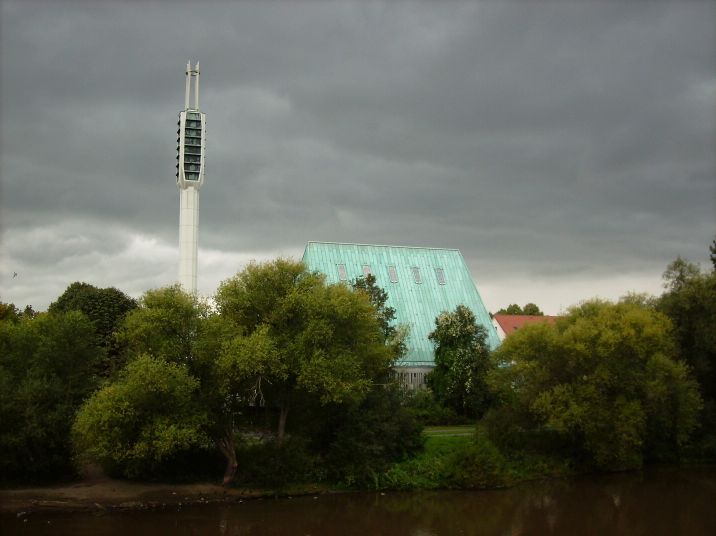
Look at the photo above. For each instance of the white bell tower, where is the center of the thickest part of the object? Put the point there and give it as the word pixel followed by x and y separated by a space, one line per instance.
pixel 191 146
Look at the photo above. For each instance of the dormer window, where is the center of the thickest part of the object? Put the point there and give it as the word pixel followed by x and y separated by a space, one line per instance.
pixel 416 274
pixel 440 276
pixel 393 274
pixel 342 275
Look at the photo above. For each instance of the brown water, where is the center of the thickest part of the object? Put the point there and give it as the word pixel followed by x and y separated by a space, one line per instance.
pixel 657 502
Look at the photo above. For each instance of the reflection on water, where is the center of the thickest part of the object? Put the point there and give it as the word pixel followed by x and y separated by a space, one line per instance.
pixel 658 502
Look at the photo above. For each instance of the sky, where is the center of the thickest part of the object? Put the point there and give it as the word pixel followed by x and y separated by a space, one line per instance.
pixel 568 149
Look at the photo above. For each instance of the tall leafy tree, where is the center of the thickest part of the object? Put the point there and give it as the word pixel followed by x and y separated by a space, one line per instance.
pixel 47 368
pixel 603 383
pixel 166 325
pixel 178 329
pixel 462 361
pixel 328 339
pixel 106 309
pixel 690 303
pixel 280 331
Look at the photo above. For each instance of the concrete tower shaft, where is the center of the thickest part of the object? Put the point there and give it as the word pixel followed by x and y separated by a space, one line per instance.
pixel 191 146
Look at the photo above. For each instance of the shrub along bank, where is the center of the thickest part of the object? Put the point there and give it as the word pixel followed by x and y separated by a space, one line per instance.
pixel 468 462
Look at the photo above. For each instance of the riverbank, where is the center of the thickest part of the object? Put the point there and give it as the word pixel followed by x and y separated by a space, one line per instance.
pixel 100 493
pixel 433 469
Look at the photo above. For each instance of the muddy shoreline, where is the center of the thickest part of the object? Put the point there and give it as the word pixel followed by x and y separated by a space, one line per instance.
pixel 113 495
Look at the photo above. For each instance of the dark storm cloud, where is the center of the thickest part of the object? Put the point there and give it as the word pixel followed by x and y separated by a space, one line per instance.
pixel 546 140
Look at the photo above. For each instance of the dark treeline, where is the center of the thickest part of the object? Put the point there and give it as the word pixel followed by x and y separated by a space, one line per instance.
pixel 283 379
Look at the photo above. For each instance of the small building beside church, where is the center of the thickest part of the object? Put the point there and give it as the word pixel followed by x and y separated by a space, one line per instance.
pixel 421 283
pixel 507 324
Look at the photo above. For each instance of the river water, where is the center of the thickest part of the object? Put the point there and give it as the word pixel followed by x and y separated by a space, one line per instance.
pixel 655 502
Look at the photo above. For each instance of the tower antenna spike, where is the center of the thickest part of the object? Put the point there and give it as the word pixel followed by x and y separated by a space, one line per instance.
pixel 187 89
pixel 196 86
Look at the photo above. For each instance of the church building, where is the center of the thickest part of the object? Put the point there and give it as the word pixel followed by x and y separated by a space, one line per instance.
pixel 421 283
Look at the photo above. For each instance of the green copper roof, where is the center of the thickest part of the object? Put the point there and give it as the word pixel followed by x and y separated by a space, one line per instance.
pixel 444 283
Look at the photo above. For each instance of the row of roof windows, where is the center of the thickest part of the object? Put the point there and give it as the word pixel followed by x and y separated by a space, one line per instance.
pixel 393 273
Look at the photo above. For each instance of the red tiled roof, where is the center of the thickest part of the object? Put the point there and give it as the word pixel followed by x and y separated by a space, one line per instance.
pixel 511 323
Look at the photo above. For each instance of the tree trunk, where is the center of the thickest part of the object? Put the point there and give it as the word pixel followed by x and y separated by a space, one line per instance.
pixel 228 449
pixel 282 423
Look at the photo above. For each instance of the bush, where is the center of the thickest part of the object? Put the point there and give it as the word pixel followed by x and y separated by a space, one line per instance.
pixel 428 411
pixel 602 386
pixel 369 437
pixel 147 417
pixel 276 465
pixel 478 465
pixel 429 469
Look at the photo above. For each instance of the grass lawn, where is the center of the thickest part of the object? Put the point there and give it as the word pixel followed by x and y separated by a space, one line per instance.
pixel 461 430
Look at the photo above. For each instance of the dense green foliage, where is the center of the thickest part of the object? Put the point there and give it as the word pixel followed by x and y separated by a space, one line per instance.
pixel 690 303
pixel 514 309
pixel 170 328
pixel 47 367
pixel 281 338
pixel 327 339
pixel 275 465
pixel 462 362
pixel 105 307
pixel 601 388
pixel 148 415
pixel 9 312
pixel 459 461
pixel 164 387
pixel 393 335
pixel 165 325
pixel 428 411
pixel 366 439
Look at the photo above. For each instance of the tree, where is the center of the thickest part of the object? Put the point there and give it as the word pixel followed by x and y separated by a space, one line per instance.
pixel 532 309
pixel 165 325
pixel 394 336
pixel 244 363
pixel 280 331
pixel 9 312
pixel 47 368
pixel 327 338
pixel 105 307
pixel 366 438
pixel 461 362
pixel 603 384
pixel 148 415
pixel 679 273
pixel 514 309
pixel 177 328
pixel 690 303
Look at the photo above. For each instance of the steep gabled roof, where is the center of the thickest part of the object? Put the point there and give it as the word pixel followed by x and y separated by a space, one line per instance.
pixel 511 323
pixel 445 283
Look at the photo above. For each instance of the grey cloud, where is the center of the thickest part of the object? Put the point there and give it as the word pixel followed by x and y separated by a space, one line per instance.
pixel 545 140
